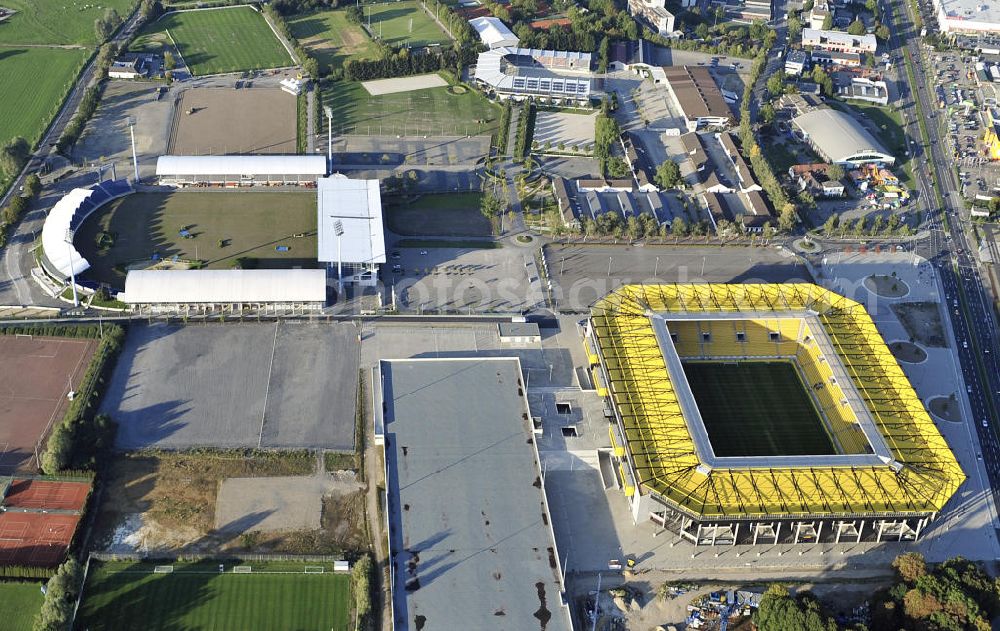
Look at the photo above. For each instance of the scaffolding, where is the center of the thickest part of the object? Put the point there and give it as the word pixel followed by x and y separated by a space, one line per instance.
pixel 916 477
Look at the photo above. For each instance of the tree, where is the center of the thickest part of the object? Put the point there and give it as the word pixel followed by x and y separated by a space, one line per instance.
pixel 828 22
pixel 60 594
pixel 311 67
pixel 668 174
pixel 361 576
pixel 767 113
pixel 776 83
pixel 830 225
pixel 857 27
pixel 820 76
pixel 702 31
pixel 101 29
pixel 882 32
pixel 678 227
pixel 779 611
pixel 169 63
pixel 794 28
pixel 14 155
pixel 788 218
pixel 835 172
pixel 872 6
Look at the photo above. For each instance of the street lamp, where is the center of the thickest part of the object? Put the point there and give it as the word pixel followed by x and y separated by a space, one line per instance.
pixel 135 161
pixel 329 135
pixel 72 272
pixel 338 229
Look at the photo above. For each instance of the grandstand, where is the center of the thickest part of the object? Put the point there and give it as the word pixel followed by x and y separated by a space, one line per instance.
pixel 765 414
pixel 60 259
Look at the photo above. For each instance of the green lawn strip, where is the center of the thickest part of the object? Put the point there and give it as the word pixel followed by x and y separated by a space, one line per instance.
pixel 757 409
pixel 427 112
pixel 222 40
pixel 19 602
pixel 330 38
pixel 404 24
pixel 274 595
pixel 57 21
pixel 45 77
pixel 249 224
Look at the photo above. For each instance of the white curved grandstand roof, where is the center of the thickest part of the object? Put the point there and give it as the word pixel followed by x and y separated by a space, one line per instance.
pixel 224 286
pixel 493 32
pixel 840 137
pixel 56 231
pixel 244 165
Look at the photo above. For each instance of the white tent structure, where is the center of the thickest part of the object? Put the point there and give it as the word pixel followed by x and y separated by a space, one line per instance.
pixel 351 234
pixel 260 170
pixel 224 290
pixel 494 33
pixel 61 259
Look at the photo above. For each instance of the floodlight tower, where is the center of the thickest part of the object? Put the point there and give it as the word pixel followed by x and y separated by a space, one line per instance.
pixel 72 272
pixel 338 229
pixel 329 136
pixel 135 161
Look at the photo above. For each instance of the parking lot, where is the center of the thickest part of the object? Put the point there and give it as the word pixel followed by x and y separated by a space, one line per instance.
pixel 285 385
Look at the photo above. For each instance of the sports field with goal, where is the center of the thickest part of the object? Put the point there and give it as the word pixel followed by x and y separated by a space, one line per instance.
pixel 757 408
pixel 216 595
pixel 404 24
pixel 222 40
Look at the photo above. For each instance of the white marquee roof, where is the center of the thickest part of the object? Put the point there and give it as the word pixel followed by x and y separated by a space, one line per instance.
pixel 838 135
pixel 63 255
pixel 493 32
pixel 245 165
pixel 357 204
pixel 224 286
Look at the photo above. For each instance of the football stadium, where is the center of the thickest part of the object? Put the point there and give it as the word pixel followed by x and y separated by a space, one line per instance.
pixel 764 414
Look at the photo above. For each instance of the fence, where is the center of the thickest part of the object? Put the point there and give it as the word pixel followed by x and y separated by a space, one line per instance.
pixel 138 556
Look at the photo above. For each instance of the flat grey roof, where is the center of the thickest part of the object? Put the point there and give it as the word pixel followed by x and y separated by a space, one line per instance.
pixel 518 329
pixel 470 535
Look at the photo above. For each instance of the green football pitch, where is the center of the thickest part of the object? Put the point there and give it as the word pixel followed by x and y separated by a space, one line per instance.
pixel 427 112
pixel 222 40
pixel 223 227
pixel 404 24
pixel 19 602
pixel 272 596
pixel 331 38
pixel 56 21
pixel 755 408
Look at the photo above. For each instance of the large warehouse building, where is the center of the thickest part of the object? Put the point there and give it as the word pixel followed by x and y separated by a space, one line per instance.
pixel 225 291
pixel 968 16
pixel 351 237
pixel 697 96
pixel 750 414
pixel 231 171
pixel 840 139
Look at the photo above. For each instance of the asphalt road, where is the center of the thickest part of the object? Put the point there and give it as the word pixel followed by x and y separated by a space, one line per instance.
pixel 947 244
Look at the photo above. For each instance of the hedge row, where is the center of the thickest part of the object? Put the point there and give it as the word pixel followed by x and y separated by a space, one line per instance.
pixel 77 440
pixel 85 331
pixel 19 204
pixel 21 571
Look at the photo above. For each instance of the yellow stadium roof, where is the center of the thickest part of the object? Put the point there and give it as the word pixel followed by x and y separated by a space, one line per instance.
pixel 919 478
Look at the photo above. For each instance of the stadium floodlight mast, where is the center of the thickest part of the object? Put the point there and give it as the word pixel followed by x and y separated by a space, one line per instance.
pixel 72 272
pixel 329 135
pixel 338 229
pixel 135 161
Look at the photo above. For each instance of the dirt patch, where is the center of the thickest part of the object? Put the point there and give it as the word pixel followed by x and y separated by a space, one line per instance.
pixel 946 408
pixel 886 286
pixel 278 504
pixel 908 352
pixel 406 84
pixel 222 121
pixel 922 321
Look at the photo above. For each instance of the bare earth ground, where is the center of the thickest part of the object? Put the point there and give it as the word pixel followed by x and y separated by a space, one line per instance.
pixel 561 128
pixel 922 321
pixel 224 121
pixel 406 84
pixel 907 352
pixel 887 286
pixel 169 502
pixel 946 408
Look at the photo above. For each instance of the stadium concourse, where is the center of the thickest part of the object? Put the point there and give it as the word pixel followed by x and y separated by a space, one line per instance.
pixel 834 446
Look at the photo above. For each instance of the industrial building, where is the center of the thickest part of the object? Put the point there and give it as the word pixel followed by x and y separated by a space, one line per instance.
pixel 493 33
pixel 967 16
pixel 864 89
pixel 231 291
pixel 525 72
pixel 697 96
pixel 653 12
pixel 838 41
pixel 233 171
pixel 351 238
pixel 881 472
pixel 471 544
pixel 840 139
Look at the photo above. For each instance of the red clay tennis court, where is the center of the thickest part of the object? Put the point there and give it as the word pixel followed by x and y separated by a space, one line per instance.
pixel 46 495
pixel 36 539
pixel 35 377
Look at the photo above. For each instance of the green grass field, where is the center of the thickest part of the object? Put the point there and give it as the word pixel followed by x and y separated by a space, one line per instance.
pixel 44 77
pixel 56 21
pixel 19 602
pixel 330 38
pixel 250 223
pixel 445 215
pixel 755 408
pixel 392 23
pixel 428 112
pixel 223 40
pixel 128 595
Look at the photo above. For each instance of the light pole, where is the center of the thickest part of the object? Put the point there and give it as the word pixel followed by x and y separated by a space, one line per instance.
pixel 338 229
pixel 72 272
pixel 656 267
pixel 329 136
pixel 135 161
pixel 609 266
